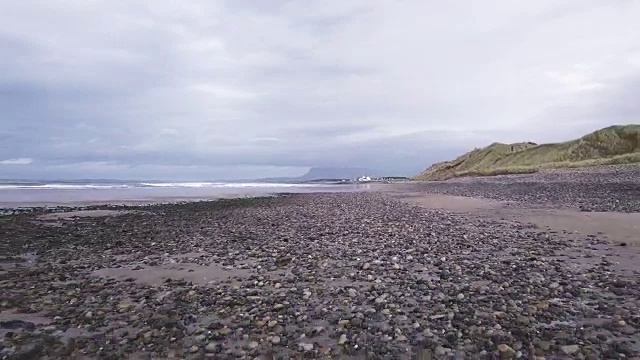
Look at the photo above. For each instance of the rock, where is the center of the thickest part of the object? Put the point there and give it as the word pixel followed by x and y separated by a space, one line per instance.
pixel 29 351
pixel 366 266
pixel 545 345
pixel 305 346
pixel 343 339
pixel 523 320
pixel 628 330
pixel 542 305
pixel 460 296
pixel 424 354
pixel 506 352
pixel 194 349
pixel 570 349
pixel 253 345
pixel 441 351
pixel 500 314
pixel 211 347
pixel 88 315
pixel 275 340
pixel 278 307
pixel 283 261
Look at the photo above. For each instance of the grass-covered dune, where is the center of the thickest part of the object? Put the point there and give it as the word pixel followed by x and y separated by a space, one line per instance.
pixel 612 145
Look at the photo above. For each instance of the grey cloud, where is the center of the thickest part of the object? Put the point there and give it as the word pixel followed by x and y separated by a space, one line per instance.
pixel 230 88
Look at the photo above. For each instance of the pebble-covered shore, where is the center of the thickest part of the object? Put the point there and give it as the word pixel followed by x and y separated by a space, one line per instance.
pixel 606 188
pixel 350 275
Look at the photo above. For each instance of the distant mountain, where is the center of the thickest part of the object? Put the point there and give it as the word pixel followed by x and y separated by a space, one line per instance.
pixel 330 173
pixel 611 145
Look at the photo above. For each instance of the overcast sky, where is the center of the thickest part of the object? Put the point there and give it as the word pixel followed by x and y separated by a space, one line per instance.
pixel 185 89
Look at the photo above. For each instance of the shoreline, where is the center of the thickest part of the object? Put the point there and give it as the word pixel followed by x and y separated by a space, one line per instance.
pixel 126 203
pixel 165 198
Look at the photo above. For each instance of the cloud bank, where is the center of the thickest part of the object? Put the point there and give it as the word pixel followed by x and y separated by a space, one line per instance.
pixel 227 89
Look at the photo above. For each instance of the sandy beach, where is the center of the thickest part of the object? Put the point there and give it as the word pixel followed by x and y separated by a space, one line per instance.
pixel 539 266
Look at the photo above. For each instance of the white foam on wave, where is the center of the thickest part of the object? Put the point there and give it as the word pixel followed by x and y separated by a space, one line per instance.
pixel 227 185
pixel 184 184
pixel 64 186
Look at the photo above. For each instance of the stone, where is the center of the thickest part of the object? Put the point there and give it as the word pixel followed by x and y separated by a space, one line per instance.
pixel 305 346
pixel 194 349
pixel 211 347
pixel 275 339
pixel 570 349
pixel 500 314
pixel 343 339
pixel 441 351
pixel 424 354
pixel 253 345
pixel 506 352
pixel 628 330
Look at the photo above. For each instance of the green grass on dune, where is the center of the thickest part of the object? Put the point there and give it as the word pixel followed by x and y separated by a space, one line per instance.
pixel 608 146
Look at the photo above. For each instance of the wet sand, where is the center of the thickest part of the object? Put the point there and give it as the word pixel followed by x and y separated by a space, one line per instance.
pixel 619 228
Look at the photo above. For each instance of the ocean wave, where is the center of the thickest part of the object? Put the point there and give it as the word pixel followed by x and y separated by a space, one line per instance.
pixel 197 185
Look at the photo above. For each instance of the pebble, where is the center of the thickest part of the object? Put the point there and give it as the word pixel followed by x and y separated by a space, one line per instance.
pixel 506 352
pixel 211 347
pixel 305 346
pixel 570 349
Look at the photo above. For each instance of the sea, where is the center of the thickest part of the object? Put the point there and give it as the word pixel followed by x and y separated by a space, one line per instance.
pixel 20 193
